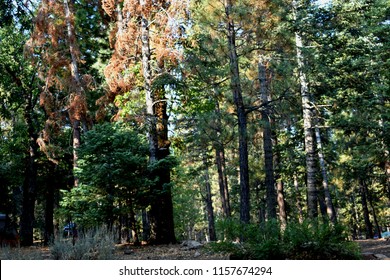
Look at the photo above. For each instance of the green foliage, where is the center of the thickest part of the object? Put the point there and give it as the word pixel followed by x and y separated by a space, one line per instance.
pixel 318 241
pixel 298 241
pixel 111 154
pixel 188 216
pixel 112 169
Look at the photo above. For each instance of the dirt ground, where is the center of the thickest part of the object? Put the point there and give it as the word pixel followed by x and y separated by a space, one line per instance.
pixel 372 247
pixel 166 252
pixel 371 250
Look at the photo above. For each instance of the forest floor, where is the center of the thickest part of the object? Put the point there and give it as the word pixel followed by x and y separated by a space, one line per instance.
pixel 167 252
pixel 374 249
pixel 371 250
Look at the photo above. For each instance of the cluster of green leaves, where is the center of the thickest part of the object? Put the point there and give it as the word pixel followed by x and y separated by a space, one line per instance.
pixel 306 241
pixel 112 169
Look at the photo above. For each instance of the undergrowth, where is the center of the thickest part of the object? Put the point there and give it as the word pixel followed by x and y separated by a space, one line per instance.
pixel 92 245
pixel 306 241
pixel 7 253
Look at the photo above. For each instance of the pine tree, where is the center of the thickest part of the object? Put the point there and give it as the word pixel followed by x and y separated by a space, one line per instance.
pixel 53 43
pixel 144 38
pixel 240 111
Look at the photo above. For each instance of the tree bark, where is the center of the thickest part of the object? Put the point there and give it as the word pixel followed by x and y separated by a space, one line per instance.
pixel 241 115
pixel 280 188
pixel 145 225
pixel 377 227
pixel 75 116
pixel 152 133
pixel 366 213
pixel 149 97
pixel 49 208
pixel 222 180
pixel 387 173
pixel 161 213
pixel 209 201
pixel 165 210
pixel 267 144
pixel 328 199
pixel 30 179
pixel 221 165
pixel 133 223
pixel 311 169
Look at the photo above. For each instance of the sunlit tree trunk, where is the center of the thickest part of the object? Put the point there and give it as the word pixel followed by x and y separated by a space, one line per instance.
pixel 151 120
pixel 311 168
pixel 147 74
pixel 279 188
pixel 298 199
pixel 325 184
pixel 161 213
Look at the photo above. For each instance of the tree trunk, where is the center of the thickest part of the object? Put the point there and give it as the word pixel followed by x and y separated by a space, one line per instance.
pixel 145 225
pixel 386 153
pixel 355 219
pixel 267 144
pixel 221 166
pixel 241 115
pixel 328 199
pixel 161 213
pixel 280 188
pixel 76 145
pixel 133 224
pixel 49 209
pixel 322 205
pixel 30 179
pixel 76 110
pixel 366 214
pixel 149 97
pixel 167 229
pixel 222 180
pixel 387 173
pixel 209 201
pixel 377 227
pixel 311 169
pixel 154 214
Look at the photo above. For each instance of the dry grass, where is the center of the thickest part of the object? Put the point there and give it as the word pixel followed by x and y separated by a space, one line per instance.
pixel 95 249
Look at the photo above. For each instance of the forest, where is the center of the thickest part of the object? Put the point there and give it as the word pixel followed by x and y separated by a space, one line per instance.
pixel 261 122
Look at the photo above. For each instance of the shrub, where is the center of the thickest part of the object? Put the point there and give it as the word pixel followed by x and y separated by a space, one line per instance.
pixel 92 245
pixel 319 242
pixel 297 241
